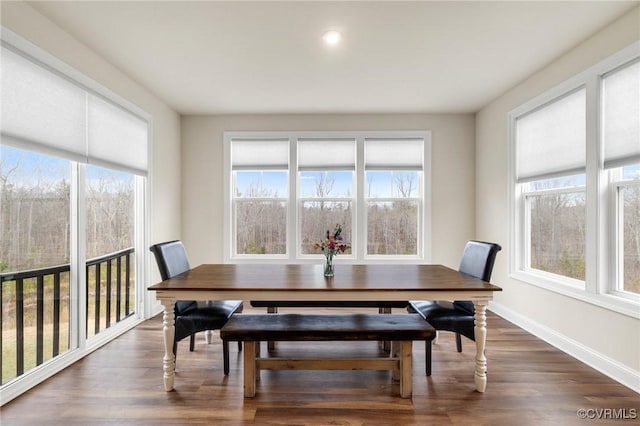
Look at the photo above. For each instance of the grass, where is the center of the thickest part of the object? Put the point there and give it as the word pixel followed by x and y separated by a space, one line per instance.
pixel 9 332
pixel 9 352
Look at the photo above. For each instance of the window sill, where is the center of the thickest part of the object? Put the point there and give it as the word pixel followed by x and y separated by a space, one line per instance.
pixel 569 288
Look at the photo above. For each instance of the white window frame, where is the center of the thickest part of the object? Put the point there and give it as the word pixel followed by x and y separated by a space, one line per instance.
pixel 616 226
pixel 359 203
pixel 80 345
pixel 600 286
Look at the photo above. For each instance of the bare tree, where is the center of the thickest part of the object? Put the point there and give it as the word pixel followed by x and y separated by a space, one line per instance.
pixel 631 242
pixel 324 186
pixel 405 184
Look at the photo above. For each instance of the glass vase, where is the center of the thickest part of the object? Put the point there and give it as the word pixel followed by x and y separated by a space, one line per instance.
pixel 328 265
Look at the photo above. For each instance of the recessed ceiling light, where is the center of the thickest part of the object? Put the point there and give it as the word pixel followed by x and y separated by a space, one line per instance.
pixel 332 37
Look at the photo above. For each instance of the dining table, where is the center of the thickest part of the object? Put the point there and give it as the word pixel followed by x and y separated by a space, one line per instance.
pixel 306 282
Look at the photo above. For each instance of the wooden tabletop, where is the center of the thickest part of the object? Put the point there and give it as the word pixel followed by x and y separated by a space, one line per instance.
pixel 309 278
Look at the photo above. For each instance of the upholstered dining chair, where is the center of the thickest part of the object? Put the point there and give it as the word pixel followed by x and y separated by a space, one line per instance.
pixel 192 317
pixel 458 316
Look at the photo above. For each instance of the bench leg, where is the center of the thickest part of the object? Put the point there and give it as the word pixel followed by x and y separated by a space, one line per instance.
pixel 271 346
pixel 406 369
pixel 385 345
pixel 396 352
pixel 427 357
pixel 257 369
pixel 249 369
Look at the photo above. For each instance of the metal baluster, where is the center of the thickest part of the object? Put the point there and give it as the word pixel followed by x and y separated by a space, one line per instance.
pixel 127 282
pixel 118 289
pixel 19 327
pixel 39 319
pixel 56 314
pixel 108 294
pixel 97 301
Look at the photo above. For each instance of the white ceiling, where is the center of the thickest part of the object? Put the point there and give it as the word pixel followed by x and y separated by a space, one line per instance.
pixel 210 57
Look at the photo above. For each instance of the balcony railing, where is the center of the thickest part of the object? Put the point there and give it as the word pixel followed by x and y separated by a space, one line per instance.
pixel 44 293
pixel 104 267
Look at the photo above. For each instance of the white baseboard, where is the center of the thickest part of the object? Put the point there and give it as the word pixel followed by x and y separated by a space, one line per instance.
pixel 608 366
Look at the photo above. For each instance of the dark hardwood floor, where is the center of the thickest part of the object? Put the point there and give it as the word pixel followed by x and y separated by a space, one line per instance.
pixel 530 383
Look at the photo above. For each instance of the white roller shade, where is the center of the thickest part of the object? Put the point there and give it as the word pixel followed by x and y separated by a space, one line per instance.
pixel 551 141
pixel 326 154
pixel 621 116
pixel 44 111
pixel 254 154
pixel 117 138
pixel 394 154
pixel 41 111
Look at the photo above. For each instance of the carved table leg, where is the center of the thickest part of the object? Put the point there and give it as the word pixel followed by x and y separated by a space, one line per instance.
pixel 169 360
pixel 481 337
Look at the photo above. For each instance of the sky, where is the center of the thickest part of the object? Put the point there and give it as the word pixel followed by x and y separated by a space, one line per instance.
pixel 37 168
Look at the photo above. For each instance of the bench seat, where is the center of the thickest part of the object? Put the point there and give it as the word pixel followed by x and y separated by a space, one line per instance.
pixel 401 329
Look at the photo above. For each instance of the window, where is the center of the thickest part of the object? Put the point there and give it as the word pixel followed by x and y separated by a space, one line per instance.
pixel 260 196
pixel 286 189
pixel 576 186
pixel 551 146
pixel 393 173
pixel 110 200
pixel 326 170
pixel 35 228
pixel 73 166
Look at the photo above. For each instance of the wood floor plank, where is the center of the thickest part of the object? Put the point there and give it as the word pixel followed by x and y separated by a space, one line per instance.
pixel 529 383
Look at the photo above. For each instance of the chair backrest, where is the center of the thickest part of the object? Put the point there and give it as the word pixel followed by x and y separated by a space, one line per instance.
pixel 171 258
pixel 477 260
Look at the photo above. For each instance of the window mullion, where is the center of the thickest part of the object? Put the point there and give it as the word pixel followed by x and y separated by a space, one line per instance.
pixel 593 193
pixel 143 299
pixel 359 245
pixel 78 278
pixel 293 215
pixel 525 258
pixel 617 259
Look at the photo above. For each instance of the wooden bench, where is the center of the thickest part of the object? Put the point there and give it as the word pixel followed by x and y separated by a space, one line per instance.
pixel 400 329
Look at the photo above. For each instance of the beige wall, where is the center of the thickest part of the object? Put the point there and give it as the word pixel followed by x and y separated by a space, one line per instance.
pixel 588 329
pixel 164 179
pixel 453 156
